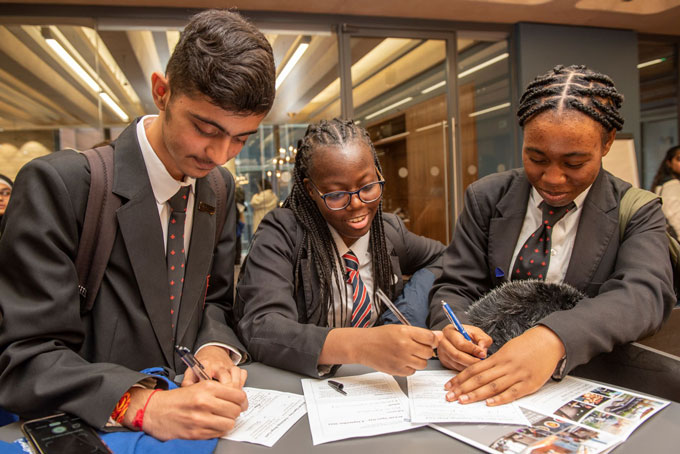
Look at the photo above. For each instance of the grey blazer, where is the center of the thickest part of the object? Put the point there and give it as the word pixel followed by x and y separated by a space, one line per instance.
pixel 628 283
pixel 52 358
pixel 286 329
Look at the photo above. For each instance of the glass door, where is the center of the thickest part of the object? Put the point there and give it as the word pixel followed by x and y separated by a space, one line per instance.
pixel 400 92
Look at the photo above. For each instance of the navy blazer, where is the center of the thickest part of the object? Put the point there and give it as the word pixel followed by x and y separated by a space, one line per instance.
pixel 287 329
pixel 629 283
pixel 52 358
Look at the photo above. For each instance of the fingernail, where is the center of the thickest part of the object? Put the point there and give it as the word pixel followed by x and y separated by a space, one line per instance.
pixel 464 398
pixel 450 396
pixel 447 385
pixel 490 401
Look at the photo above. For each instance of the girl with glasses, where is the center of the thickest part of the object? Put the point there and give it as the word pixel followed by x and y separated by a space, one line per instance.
pixel 307 290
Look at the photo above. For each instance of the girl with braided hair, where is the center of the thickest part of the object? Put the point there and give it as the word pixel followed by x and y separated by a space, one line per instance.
pixel 555 221
pixel 306 299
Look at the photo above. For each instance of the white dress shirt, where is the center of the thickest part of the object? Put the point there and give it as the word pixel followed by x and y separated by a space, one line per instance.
pixel 562 237
pixel 164 186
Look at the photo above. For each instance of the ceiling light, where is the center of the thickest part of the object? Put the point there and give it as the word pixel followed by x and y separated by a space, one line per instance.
pixel 474 69
pixel 651 62
pixel 292 61
pixel 66 57
pixel 82 73
pixel 390 107
pixel 490 109
pixel 434 87
pixel 113 106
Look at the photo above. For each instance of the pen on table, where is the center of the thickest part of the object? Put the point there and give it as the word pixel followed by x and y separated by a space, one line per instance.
pixel 454 320
pixel 191 362
pixel 336 385
pixel 390 305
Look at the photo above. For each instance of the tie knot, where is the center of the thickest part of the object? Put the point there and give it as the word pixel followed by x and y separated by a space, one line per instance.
pixel 178 202
pixel 553 214
pixel 351 261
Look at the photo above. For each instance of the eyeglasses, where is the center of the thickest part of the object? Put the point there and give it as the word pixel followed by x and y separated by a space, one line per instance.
pixel 5 193
pixel 339 200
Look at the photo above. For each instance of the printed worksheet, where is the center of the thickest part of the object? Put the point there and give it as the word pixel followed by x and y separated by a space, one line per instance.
pixel 373 404
pixel 269 416
pixel 427 402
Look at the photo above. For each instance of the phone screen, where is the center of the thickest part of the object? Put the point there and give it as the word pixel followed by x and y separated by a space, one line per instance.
pixel 63 434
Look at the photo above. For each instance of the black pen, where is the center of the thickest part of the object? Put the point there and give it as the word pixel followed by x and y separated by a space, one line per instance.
pixel 336 385
pixel 191 362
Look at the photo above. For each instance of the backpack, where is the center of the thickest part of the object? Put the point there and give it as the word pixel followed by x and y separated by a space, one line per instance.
pixel 631 202
pixel 100 226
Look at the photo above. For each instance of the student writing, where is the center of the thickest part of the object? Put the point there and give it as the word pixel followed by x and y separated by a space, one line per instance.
pixel 306 296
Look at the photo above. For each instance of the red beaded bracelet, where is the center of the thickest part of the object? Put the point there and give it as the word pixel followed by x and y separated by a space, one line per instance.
pixel 138 422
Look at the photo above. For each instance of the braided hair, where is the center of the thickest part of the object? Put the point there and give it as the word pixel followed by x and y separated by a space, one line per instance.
pixel 665 173
pixel 573 87
pixel 317 239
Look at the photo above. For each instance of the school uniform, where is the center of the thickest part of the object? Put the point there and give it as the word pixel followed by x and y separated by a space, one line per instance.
pixel 628 283
pixel 52 357
pixel 286 327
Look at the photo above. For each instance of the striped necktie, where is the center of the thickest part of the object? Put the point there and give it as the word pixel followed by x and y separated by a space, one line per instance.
pixel 361 306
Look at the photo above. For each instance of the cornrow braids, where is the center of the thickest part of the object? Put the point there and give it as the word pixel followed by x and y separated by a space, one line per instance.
pixel 573 87
pixel 317 238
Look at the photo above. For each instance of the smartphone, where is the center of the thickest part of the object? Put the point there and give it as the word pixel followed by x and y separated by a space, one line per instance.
pixel 63 434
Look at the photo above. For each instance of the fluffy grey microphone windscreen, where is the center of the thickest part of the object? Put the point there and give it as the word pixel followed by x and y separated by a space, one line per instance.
pixel 509 310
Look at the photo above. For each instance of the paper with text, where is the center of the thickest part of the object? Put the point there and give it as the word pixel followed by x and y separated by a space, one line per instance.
pixel 374 405
pixel 427 402
pixel 269 416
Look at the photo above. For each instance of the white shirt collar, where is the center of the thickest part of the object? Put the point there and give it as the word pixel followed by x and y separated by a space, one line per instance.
pixel 164 186
pixel 536 198
pixel 360 246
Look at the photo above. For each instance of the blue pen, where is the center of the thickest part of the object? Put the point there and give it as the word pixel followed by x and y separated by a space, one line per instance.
pixel 454 320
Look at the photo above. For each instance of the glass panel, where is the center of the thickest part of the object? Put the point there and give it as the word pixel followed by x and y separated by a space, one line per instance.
pixel 658 104
pixel 60 86
pixel 309 92
pixel 487 144
pixel 399 96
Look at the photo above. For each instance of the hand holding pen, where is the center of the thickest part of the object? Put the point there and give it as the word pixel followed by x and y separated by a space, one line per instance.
pixel 192 363
pixel 218 366
pixel 458 352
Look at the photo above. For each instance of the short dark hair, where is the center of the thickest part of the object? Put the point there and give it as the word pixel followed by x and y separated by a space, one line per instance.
pixel 227 59
pixel 574 87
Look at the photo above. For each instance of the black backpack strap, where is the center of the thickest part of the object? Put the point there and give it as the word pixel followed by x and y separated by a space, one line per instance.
pixel 99 226
pixel 219 186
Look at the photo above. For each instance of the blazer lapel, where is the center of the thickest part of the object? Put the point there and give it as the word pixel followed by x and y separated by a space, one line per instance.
pixel 596 227
pixel 141 230
pixel 504 230
pixel 200 257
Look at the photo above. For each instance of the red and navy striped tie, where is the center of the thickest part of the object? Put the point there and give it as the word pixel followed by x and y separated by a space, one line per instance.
pixel 361 307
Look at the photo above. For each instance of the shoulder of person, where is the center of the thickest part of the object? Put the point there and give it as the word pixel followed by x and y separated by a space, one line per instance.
pixel 70 166
pixel 484 195
pixel 498 183
pixel 283 220
pixel 617 185
pixel 227 176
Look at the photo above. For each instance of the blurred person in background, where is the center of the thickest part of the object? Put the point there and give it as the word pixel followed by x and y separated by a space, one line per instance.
pixel 666 183
pixel 5 193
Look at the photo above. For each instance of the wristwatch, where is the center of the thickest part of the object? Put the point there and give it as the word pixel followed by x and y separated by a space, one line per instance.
pixel 558 374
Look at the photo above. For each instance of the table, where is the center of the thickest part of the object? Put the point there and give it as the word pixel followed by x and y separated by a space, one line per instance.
pixel 660 434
